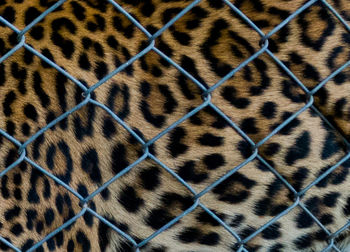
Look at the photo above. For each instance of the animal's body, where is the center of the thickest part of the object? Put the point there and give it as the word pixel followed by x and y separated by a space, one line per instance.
pixel 89 39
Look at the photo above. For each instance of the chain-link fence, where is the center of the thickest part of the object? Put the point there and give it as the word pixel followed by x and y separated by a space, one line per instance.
pixel 206 93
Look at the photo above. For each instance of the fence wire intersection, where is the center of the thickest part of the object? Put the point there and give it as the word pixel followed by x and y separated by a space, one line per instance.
pixel 206 94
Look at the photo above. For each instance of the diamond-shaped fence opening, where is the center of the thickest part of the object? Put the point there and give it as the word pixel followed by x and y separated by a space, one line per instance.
pixel 207 102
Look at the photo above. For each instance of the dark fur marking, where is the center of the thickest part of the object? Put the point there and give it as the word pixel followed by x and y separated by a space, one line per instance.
pixel 300 149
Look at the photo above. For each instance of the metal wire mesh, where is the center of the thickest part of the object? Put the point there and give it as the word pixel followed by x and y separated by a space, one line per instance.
pixel 206 93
